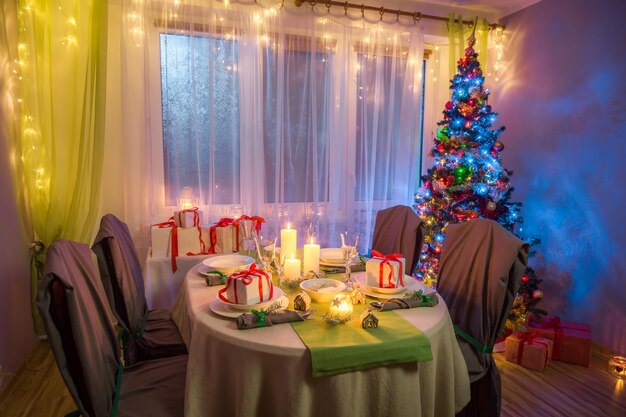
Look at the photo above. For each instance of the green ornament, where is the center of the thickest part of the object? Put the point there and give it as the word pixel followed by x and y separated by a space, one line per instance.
pixel 443 133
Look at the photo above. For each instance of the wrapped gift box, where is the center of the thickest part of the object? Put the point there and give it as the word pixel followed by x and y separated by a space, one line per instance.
pixel 192 240
pixel 528 350
pixel 385 271
pixel 188 218
pixel 572 341
pixel 222 236
pixel 238 234
pixel 250 286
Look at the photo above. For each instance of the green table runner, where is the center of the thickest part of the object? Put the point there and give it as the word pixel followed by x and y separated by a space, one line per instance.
pixel 348 347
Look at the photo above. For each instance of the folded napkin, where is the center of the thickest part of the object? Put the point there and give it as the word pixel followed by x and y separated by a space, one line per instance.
pixel 263 319
pixel 416 300
pixel 214 278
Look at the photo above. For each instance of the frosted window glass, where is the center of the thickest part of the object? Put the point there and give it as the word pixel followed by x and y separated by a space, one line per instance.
pixel 300 172
pixel 200 104
pixel 378 125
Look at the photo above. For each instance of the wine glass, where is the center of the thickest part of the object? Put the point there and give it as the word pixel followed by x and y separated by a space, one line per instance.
pixel 349 250
pixel 279 264
pixel 248 234
pixel 266 250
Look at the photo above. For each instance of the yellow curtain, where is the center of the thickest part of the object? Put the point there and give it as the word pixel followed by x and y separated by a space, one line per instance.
pixel 457 39
pixel 62 60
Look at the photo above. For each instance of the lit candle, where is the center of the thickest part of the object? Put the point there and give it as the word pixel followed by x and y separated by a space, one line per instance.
pixel 312 257
pixel 292 268
pixel 340 308
pixel 288 241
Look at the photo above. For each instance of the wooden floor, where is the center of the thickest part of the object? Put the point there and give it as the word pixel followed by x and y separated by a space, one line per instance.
pixel 560 390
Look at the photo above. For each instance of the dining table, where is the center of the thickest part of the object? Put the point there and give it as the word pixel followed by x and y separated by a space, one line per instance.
pixel 267 371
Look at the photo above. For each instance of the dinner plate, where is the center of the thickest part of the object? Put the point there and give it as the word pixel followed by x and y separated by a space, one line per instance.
pixel 249 307
pixel 332 256
pixel 228 264
pixel 386 293
pixel 204 270
pixel 224 310
pixel 335 265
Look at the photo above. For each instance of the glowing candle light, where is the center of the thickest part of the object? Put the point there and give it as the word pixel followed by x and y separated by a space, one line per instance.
pixel 288 241
pixel 311 257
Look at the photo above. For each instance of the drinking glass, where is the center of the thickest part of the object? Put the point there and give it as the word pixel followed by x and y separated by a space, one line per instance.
pixel 266 250
pixel 248 234
pixel 349 245
pixel 279 264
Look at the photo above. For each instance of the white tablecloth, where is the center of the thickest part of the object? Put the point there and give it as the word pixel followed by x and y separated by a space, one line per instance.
pixel 161 284
pixel 267 371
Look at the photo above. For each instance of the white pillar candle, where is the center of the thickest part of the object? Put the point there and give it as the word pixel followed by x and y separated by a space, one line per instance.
pixel 292 269
pixel 311 257
pixel 288 241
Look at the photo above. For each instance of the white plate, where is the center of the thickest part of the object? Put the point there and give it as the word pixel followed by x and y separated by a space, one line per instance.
pixel 228 264
pixel 330 288
pixel 225 310
pixel 334 265
pixel 331 256
pixel 411 285
pixel 249 307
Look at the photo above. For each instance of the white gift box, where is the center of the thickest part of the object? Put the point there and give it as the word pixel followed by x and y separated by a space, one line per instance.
pixel 190 240
pixel 374 278
pixel 188 218
pixel 223 239
pixel 248 287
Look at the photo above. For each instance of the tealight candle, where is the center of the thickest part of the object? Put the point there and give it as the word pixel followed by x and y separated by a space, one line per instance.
pixel 292 268
pixel 288 241
pixel 340 308
pixel 312 257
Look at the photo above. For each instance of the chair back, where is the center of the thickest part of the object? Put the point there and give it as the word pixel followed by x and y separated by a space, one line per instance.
pixel 80 326
pixel 480 272
pixel 120 272
pixel 399 230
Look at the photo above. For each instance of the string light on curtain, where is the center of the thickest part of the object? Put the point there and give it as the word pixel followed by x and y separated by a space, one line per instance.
pixel 498 35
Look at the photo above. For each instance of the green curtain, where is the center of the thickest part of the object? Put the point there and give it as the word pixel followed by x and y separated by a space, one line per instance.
pixel 457 39
pixel 62 59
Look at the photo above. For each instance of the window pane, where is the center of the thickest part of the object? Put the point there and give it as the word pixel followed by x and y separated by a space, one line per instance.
pixel 200 102
pixel 296 137
pixel 379 96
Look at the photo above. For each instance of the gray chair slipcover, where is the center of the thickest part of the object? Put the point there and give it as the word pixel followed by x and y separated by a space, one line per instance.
pixel 399 230
pixel 480 272
pixel 154 334
pixel 80 328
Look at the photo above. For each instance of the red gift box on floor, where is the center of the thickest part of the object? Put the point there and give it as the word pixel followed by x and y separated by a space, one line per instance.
pixel 572 341
pixel 529 350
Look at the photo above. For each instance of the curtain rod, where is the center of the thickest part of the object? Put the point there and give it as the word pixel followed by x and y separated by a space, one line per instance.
pixel 417 16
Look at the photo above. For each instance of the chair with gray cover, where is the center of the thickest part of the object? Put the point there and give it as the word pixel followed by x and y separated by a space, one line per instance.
pixel 146 334
pixel 80 327
pixel 399 230
pixel 480 273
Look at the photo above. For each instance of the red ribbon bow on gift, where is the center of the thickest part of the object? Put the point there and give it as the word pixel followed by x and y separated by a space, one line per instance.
pixel 196 216
pixel 223 222
pixel 245 277
pixel 531 339
pixel 257 225
pixel 386 260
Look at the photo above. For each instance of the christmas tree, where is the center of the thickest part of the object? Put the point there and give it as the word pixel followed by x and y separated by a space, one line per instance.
pixel 467 180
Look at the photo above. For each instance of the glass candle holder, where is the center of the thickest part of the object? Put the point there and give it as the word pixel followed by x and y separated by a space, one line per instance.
pixel 617 366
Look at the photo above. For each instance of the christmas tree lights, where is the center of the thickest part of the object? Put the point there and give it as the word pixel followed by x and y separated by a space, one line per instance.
pixel 467 180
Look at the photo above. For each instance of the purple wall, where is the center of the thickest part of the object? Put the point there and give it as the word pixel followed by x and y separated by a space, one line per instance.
pixel 563 101
pixel 16 329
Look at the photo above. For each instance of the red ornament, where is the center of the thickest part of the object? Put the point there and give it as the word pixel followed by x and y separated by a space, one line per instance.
pixel 441 148
pixel 449 105
pixel 471 102
pixel 525 278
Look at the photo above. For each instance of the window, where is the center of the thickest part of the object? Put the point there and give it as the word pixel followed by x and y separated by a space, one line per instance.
pixel 200 105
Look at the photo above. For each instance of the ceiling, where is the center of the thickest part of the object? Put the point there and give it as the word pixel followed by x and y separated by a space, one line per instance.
pixel 497 8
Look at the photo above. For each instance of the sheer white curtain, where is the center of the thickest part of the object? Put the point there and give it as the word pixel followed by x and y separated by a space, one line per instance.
pixel 297 115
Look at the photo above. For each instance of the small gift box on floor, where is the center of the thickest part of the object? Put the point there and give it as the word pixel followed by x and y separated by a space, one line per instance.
pixel 385 271
pixel 572 341
pixel 222 236
pixel 528 350
pixel 188 218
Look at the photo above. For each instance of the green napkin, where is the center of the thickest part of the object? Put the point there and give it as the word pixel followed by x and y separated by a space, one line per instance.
pixel 348 347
